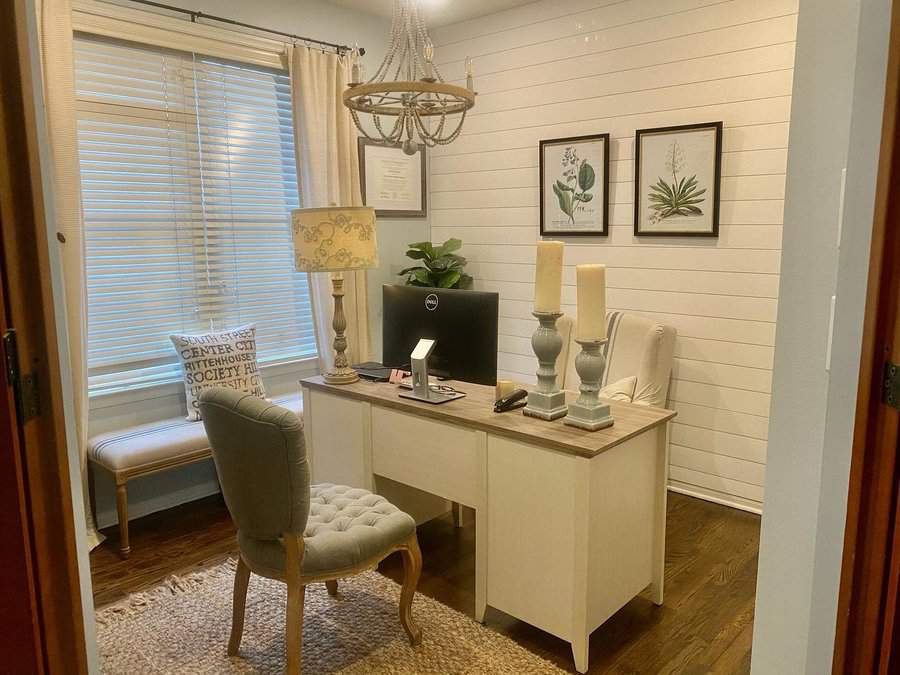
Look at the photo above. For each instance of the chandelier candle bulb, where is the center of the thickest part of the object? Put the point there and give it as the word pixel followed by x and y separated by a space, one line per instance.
pixel 470 74
pixel 591 319
pixel 429 60
pixel 354 69
pixel 548 276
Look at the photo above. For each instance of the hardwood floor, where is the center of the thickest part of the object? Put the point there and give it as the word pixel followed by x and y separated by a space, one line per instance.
pixel 705 625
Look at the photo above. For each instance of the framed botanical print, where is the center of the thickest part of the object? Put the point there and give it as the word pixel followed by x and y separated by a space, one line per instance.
pixel 677 171
pixel 392 182
pixel 575 186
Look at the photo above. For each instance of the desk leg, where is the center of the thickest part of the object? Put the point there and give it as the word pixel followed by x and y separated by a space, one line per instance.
pixel 481 528
pixel 480 563
pixel 659 527
pixel 580 653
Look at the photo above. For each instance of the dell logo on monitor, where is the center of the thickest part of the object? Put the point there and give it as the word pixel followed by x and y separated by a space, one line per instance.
pixel 431 302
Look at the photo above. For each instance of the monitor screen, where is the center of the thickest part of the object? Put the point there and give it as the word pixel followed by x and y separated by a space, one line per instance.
pixel 463 323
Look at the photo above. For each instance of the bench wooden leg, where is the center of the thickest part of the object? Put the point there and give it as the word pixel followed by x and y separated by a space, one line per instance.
pixel 122 509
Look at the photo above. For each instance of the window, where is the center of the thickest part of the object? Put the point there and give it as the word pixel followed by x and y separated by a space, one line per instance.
pixel 188 177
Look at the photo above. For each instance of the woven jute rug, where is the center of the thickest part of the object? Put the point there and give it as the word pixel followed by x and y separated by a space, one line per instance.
pixel 182 626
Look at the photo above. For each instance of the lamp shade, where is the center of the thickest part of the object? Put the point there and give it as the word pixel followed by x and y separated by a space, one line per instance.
pixel 334 238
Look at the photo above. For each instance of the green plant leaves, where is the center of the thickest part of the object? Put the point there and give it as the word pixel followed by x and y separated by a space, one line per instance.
pixel 586 176
pixel 440 267
pixel 447 247
pixel 449 279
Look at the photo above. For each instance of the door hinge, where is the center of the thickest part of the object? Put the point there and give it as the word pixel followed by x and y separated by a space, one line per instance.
pixel 891 385
pixel 25 387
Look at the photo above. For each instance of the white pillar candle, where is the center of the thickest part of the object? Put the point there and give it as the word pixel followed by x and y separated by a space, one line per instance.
pixel 591 319
pixel 548 276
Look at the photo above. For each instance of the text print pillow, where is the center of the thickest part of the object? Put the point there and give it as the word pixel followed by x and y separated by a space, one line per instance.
pixel 226 359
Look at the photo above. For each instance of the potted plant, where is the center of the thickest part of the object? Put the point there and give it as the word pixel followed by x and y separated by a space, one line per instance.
pixel 440 267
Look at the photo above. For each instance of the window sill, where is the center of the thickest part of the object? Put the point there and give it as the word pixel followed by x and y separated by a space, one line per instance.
pixel 175 387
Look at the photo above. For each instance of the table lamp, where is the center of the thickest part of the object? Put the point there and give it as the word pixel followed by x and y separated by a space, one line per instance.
pixel 335 239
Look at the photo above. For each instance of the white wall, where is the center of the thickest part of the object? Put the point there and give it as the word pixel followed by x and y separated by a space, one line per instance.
pixel 838 100
pixel 554 69
pixel 309 18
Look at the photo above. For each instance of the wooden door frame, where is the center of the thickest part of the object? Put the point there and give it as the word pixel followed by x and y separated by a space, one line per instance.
pixel 29 308
pixel 867 629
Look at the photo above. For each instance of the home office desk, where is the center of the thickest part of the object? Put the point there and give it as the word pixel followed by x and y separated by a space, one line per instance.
pixel 570 524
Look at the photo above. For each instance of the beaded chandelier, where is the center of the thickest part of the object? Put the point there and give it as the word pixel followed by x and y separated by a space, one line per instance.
pixel 421 107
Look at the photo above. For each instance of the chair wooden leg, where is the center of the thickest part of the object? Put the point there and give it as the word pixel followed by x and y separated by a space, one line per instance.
pixel 294 641
pixel 122 509
pixel 239 603
pixel 332 587
pixel 296 595
pixel 412 569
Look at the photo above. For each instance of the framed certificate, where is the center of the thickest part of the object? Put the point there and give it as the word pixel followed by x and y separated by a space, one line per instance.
pixel 393 183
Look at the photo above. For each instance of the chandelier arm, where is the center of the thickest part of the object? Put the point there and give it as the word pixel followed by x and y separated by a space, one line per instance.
pixel 456 132
pixel 424 134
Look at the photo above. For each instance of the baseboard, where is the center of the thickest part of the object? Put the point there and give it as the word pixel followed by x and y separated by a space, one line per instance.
pixel 724 500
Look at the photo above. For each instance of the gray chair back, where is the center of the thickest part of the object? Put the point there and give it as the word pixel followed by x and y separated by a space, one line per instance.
pixel 260 456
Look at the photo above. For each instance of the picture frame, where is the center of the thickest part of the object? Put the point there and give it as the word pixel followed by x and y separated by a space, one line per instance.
pixel 688 204
pixel 575 200
pixel 392 182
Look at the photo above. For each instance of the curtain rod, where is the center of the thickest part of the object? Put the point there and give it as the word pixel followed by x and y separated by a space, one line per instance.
pixel 194 14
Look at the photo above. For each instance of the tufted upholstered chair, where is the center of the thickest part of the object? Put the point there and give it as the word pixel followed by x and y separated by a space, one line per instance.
pixel 291 530
pixel 639 355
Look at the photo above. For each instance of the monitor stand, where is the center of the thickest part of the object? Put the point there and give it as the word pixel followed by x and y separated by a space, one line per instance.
pixel 421 391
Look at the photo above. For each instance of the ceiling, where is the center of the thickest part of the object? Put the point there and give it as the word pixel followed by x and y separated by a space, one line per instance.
pixel 437 12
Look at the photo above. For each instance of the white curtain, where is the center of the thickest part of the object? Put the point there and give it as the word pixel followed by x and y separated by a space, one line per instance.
pixel 55 25
pixel 328 173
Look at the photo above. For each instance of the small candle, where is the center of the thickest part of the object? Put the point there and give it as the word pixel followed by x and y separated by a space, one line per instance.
pixel 548 276
pixel 591 319
pixel 470 74
pixel 504 389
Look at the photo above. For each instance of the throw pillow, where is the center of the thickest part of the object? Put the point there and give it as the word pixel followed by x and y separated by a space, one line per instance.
pixel 621 390
pixel 226 359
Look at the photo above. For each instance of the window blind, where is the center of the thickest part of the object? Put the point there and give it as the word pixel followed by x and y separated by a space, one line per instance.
pixel 188 178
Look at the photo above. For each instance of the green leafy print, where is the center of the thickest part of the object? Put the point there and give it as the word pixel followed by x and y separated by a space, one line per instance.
pixel 571 189
pixel 682 196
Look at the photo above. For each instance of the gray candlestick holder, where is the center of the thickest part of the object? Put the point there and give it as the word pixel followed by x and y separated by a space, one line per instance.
pixel 547 402
pixel 588 412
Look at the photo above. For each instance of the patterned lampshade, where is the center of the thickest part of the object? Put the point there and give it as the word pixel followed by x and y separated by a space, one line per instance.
pixel 334 238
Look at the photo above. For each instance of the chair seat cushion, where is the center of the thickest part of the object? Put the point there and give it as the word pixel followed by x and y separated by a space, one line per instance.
pixel 346 527
pixel 154 443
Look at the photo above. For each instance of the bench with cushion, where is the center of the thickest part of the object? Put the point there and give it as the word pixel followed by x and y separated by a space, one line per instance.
pixel 156 446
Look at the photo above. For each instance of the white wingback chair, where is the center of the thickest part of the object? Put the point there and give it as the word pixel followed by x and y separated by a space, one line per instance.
pixel 639 357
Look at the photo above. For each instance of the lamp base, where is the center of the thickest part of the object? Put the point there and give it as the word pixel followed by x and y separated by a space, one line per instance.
pixel 348 376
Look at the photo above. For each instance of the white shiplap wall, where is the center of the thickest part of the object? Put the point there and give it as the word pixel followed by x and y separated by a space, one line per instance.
pixel 558 68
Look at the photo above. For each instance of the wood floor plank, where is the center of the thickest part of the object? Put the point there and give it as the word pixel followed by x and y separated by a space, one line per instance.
pixel 705 625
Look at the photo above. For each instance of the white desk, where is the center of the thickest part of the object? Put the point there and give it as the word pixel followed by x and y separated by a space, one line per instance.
pixel 570 524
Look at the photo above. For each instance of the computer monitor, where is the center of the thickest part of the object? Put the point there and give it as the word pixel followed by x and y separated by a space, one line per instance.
pixel 464 324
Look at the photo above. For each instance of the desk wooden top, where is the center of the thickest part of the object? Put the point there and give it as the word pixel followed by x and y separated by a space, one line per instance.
pixel 476 411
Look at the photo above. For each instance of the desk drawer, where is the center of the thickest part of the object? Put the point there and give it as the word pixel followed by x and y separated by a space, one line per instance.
pixel 433 456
